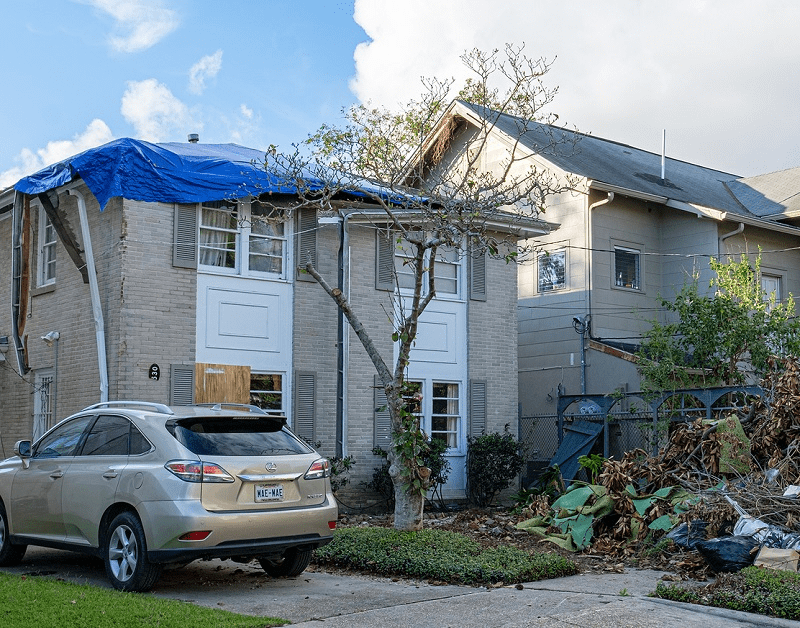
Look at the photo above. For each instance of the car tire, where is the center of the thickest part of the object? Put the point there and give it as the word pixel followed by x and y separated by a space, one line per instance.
pixel 10 554
pixel 293 563
pixel 125 555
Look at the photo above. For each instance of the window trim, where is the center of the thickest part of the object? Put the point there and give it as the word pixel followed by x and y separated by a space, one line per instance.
pixel 400 252
pixel 426 413
pixel 638 252
pixel 550 254
pixel 43 265
pixel 242 240
pixel 281 393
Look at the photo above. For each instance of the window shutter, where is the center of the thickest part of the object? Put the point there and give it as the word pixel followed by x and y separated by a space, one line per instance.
pixel 306 242
pixel 477 408
pixel 477 275
pixel 181 384
pixel 184 248
pixel 384 261
pixel 305 398
pixel 383 422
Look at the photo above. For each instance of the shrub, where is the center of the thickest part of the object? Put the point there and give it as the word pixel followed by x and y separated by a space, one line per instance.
pixel 493 461
pixel 438 555
pixel 340 472
pixel 433 457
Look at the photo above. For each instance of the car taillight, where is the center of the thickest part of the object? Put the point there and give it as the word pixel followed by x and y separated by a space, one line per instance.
pixel 319 469
pixel 196 471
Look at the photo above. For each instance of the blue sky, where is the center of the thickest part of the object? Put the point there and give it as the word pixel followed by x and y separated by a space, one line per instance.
pixel 720 76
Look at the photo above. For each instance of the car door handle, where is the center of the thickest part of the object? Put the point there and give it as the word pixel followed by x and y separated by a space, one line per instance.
pixel 110 474
pixel 57 474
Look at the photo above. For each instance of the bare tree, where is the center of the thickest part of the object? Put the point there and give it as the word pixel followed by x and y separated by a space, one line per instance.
pixel 434 199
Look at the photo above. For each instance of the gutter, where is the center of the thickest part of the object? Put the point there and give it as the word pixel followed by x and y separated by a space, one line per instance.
pixel 97 310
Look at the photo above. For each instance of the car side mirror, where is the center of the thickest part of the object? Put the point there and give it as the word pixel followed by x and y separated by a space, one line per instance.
pixel 23 448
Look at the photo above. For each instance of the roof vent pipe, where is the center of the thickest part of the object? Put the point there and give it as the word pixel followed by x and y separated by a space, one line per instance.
pixel 194 138
pixel 663 154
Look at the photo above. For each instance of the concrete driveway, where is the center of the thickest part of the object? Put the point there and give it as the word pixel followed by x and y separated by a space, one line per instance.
pixel 317 599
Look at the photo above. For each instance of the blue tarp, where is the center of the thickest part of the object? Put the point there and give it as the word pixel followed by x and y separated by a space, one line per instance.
pixel 169 173
pixel 579 437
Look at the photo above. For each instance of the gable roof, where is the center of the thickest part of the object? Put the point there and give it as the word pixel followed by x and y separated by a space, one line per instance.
pixel 617 164
pixel 775 195
pixel 173 173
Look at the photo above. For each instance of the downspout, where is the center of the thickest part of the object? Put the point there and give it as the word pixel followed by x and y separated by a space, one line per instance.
pixel 340 361
pixel 589 250
pixel 94 291
pixel 725 236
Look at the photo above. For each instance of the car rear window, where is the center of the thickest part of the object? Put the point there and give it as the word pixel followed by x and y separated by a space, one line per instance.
pixel 236 436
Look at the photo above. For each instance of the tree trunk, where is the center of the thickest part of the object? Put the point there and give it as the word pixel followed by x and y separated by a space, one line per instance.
pixel 408 507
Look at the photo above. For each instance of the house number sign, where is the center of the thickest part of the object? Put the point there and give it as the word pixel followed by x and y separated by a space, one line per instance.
pixel 155 372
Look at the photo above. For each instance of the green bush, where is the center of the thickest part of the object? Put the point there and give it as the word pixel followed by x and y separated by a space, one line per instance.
pixel 433 458
pixel 437 555
pixel 493 461
pixel 753 590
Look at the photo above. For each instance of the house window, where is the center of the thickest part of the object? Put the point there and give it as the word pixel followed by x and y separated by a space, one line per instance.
pixel 552 271
pixel 42 402
pixel 771 288
pixel 447 269
pixel 245 238
pixel 627 268
pixel 47 250
pixel 437 404
pixel 219 232
pixel 266 392
pixel 445 418
pixel 267 239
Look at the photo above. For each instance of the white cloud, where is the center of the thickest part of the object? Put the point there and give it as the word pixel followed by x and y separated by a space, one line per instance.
pixel 139 24
pixel 95 134
pixel 207 68
pixel 713 73
pixel 155 113
pixel 246 111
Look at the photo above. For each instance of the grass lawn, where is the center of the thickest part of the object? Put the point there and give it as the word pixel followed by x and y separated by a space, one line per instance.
pixel 27 601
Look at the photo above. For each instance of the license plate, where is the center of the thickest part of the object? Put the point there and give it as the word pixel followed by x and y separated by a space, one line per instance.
pixel 269 492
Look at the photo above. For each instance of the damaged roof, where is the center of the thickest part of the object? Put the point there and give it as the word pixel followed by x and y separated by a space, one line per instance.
pixel 174 173
pixel 639 170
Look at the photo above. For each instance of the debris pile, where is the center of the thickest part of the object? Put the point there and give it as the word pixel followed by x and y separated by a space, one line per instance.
pixel 742 468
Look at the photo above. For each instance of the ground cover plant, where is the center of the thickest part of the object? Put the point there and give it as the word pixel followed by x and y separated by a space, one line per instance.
pixel 439 556
pixel 35 601
pixel 753 590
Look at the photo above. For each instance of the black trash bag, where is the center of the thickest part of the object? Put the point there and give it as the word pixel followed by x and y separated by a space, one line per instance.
pixel 688 534
pixel 728 553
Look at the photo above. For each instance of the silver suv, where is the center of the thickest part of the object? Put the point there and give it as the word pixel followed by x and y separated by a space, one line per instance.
pixel 143 485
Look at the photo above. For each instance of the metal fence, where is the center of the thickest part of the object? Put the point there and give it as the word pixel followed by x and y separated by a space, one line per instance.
pixel 540 435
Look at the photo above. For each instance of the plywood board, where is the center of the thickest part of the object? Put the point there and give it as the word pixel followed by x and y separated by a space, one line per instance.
pixel 217 383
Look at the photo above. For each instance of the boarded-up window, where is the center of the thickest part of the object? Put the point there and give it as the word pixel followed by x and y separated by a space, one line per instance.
pixel 184 250
pixel 477 408
pixel 306 242
pixel 305 398
pixel 383 422
pixel 181 385
pixel 222 383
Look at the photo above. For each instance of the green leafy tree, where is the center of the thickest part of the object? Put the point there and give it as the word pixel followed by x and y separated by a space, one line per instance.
pixel 453 206
pixel 722 338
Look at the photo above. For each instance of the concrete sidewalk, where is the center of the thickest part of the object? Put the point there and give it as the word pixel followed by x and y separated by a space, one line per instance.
pixel 316 599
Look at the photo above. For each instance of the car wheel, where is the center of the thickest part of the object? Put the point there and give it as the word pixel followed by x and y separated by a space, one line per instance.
pixel 125 555
pixel 293 563
pixel 9 554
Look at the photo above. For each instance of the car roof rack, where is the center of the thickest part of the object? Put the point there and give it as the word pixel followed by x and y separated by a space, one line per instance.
pixel 158 407
pixel 224 405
